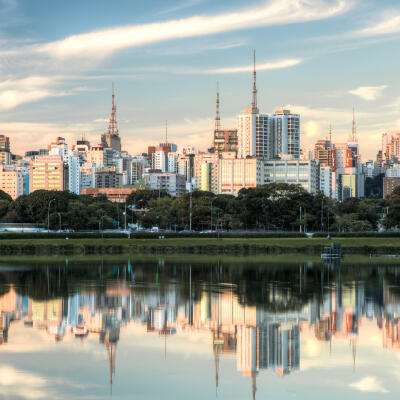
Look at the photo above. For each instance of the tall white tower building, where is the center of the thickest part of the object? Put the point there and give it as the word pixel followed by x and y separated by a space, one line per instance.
pixel 285 130
pixel 254 137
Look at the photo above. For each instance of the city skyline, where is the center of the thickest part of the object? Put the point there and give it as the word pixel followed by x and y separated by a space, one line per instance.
pixel 58 74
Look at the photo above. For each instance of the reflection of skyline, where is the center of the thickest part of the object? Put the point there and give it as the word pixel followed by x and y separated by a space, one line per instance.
pixel 261 340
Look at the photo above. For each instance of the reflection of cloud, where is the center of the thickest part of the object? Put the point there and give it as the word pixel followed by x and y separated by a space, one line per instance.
pixel 21 384
pixel 369 384
pixel 101 43
pixel 368 92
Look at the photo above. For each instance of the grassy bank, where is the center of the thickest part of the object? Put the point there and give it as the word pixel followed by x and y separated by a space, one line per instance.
pixel 210 246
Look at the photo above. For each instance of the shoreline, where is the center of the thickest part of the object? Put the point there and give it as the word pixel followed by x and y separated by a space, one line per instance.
pixel 199 246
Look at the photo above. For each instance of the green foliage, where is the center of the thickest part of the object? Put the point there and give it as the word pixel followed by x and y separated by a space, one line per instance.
pixel 273 207
pixel 5 196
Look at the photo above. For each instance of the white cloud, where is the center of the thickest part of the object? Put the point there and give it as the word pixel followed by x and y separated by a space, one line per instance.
pixel 369 384
pixel 369 93
pixel 99 44
pixel 389 23
pixel 14 92
pixel 260 67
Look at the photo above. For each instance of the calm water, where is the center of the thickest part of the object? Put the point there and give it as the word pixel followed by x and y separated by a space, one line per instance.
pixel 167 330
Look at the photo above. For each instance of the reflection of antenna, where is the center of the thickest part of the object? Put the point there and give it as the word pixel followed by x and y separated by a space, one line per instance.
pixel 353 348
pixel 253 384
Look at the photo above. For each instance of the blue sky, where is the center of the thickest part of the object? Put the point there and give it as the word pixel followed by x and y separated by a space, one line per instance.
pixel 318 57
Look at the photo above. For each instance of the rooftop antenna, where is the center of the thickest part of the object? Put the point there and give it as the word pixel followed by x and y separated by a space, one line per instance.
pixel 217 115
pixel 166 131
pixel 112 126
pixel 330 132
pixel 254 92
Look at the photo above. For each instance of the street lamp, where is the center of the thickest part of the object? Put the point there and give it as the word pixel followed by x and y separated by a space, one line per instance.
pixel 59 220
pixel 101 224
pixel 211 212
pixel 48 215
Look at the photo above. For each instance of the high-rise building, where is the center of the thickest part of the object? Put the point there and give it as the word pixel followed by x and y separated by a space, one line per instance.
pixel 111 138
pixel 390 145
pixel 11 180
pixel 108 179
pixel 254 137
pixel 325 180
pixel 96 155
pixel 323 152
pixel 46 173
pixel 285 131
pixel 59 148
pixel 74 174
pixel 5 154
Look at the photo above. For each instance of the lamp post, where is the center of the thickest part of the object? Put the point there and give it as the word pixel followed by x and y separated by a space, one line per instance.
pixel 190 214
pixel 48 215
pixel 211 212
pixel 101 224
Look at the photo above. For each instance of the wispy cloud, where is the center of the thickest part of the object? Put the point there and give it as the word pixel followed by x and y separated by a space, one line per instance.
pixel 388 23
pixel 14 92
pixel 368 93
pixel 260 67
pixel 369 384
pixel 99 44
pixel 182 6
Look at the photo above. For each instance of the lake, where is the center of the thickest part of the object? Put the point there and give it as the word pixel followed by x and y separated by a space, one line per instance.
pixel 199 328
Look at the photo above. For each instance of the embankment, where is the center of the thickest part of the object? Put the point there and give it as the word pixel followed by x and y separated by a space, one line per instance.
pixel 211 246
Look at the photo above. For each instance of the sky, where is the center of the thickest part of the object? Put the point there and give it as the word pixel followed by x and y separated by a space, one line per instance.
pixel 319 58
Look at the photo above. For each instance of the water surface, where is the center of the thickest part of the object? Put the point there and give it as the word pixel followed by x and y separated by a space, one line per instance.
pixel 153 329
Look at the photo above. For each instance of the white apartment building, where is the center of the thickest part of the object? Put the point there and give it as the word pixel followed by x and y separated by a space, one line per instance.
pixel 74 174
pixel 159 160
pixel 173 162
pixel 174 184
pixel 285 132
pixel 296 172
pixel 325 180
pixel 393 172
pixel 59 148
pixel 254 136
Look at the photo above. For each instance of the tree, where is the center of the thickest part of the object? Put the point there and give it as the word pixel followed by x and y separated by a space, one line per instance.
pixel 5 196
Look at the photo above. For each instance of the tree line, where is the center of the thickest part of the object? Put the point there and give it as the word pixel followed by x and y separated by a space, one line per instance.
pixel 272 207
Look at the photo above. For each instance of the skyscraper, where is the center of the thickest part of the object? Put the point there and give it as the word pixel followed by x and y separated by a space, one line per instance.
pixel 111 138
pixel 285 131
pixel 5 155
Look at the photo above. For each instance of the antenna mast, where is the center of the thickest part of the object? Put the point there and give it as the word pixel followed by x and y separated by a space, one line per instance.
pixel 353 129
pixel 112 126
pixel 217 115
pixel 254 92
